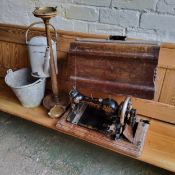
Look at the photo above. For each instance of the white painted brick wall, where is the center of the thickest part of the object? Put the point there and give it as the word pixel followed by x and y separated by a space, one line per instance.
pixel 135 4
pixel 82 13
pixel 145 19
pixel 106 29
pixel 99 3
pixel 124 18
pixel 158 22
pixel 166 6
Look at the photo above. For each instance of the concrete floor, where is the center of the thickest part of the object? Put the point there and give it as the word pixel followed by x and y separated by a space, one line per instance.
pixel 29 149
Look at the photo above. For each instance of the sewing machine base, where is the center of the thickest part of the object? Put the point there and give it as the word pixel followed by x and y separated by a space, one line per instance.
pixel 90 135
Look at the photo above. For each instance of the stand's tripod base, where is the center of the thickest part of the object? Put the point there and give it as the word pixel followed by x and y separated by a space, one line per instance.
pixel 56 107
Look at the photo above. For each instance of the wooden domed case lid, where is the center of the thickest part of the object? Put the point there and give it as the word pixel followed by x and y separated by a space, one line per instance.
pixel 114 67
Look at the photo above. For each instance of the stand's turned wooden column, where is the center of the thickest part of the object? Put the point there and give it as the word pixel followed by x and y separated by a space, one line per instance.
pixel 52 65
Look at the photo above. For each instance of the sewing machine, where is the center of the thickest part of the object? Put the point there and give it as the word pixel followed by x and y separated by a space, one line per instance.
pixel 116 121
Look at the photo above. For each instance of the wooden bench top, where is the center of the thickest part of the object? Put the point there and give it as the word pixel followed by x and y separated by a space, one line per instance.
pixel 159 149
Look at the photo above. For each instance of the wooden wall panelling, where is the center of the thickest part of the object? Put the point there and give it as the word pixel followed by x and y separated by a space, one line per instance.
pixel 167 58
pixel 64 43
pixel 12 56
pixel 11 33
pixel 16 33
pixel 167 61
pixel 161 72
pixel 168 88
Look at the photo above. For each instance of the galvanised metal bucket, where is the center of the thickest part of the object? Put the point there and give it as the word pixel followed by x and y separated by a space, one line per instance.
pixel 28 89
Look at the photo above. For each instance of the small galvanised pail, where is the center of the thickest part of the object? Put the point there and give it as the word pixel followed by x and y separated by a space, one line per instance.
pixel 37 47
pixel 28 89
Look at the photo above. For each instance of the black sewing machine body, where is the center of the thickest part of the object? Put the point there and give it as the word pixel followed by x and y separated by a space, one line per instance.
pixel 91 117
pixel 103 115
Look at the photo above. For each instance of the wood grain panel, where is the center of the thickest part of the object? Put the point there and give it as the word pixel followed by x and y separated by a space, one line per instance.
pixel 64 43
pixel 12 56
pixel 160 138
pixel 167 58
pixel 114 67
pixel 161 72
pixel 168 89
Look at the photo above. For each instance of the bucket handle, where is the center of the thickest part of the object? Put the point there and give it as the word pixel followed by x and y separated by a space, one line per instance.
pixel 40 22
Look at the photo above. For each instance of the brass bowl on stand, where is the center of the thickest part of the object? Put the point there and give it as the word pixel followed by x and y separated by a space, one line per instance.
pixel 45 12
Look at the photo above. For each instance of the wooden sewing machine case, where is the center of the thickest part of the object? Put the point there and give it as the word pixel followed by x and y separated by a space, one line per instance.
pixel 114 67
